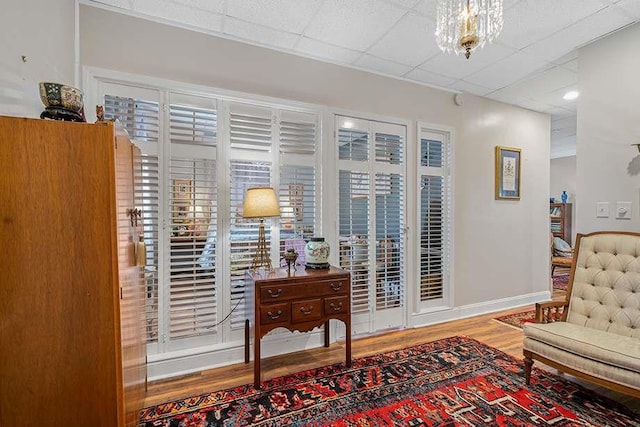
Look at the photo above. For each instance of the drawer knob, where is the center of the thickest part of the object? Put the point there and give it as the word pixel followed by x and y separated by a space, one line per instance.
pixel 305 311
pixel 335 307
pixel 336 286
pixel 274 294
pixel 274 316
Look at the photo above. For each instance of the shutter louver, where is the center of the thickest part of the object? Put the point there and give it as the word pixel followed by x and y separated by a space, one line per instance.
pixel 250 128
pixel 353 145
pixel 389 217
pixel 297 137
pixel 192 290
pixel 389 148
pixel 432 225
pixel 194 126
pixel 140 118
pixel 297 204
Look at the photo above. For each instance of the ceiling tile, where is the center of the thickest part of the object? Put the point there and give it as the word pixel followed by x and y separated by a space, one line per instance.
pixel 268 36
pixel 507 71
pixel 579 34
pixel 534 105
pixel 411 41
pixel 529 21
pixel 216 6
pixel 555 98
pixel 457 66
pixel 318 49
pixel 559 111
pixel 430 78
pixel 185 15
pixel 546 82
pixel 427 8
pixel 630 6
pixel 286 15
pixel 122 4
pixel 560 122
pixel 464 86
pixel 353 24
pixel 380 65
pixel 404 3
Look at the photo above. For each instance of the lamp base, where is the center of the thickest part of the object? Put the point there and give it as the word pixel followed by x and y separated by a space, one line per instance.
pixel 262 259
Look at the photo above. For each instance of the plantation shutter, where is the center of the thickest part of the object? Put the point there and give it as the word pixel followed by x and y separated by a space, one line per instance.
pixel 433 228
pixel 297 188
pixel 137 111
pixel 250 131
pixel 354 187
pixel 193 294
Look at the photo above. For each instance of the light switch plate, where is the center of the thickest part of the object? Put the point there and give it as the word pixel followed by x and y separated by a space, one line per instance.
pixel 623 210
pixel 602 210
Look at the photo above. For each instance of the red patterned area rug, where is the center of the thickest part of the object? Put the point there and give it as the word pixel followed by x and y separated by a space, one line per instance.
pixel 561 281
pixel 518 319
pixel 450 382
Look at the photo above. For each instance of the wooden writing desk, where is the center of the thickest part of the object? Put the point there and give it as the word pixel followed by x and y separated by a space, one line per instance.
pixel 299 301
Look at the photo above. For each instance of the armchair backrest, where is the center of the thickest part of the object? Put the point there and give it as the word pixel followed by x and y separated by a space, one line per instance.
pixel 604 291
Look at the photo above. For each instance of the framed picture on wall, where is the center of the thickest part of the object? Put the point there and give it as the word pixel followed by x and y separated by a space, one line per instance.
pixel 507 173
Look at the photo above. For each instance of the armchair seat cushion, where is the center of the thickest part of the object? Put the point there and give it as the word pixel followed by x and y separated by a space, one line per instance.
pixel 589 343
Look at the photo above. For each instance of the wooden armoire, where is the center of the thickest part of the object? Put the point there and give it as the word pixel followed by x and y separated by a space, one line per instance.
pixel 71 296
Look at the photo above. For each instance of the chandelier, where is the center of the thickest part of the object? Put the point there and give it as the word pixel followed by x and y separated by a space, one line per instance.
pixel 464 25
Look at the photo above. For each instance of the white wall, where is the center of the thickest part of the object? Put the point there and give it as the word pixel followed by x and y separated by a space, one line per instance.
pixel 608 122
pixel 42 31
pixel 500 246
pixel 563 178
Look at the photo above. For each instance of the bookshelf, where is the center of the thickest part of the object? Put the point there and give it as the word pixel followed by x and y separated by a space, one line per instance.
pixel 560 216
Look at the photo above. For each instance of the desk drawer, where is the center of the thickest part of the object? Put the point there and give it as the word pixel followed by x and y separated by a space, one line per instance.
pixel 307 310
pixel 335 305
pixel 274 313
pixel 287 292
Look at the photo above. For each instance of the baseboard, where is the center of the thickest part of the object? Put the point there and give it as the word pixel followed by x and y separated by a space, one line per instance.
pixel 181 363
pixel 446 314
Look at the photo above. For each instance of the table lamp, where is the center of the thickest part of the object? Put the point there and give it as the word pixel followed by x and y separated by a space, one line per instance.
pixel 261 202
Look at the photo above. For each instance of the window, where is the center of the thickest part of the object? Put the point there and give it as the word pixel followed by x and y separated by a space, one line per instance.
pixel 371 219
pixel 434 195
pixel 198 244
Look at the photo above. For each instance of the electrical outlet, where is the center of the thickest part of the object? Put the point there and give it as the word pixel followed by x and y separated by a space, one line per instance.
pixel 623 210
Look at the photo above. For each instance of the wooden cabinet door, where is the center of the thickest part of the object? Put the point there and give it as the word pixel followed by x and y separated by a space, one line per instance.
pixel 129 227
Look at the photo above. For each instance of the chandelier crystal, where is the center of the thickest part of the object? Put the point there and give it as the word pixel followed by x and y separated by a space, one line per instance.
pixel 464 25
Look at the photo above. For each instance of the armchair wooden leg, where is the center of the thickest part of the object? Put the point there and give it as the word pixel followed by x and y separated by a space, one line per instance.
pixel 528 364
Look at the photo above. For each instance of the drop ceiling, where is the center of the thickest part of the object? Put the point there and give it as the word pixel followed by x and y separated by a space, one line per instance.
pixel 531 64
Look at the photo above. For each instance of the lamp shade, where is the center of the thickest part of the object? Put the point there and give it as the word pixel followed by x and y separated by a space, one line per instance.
pixel 260 202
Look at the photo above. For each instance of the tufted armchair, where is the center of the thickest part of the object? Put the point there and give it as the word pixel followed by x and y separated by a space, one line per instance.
pixel 598 335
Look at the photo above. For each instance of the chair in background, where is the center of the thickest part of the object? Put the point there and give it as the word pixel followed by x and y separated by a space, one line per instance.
pixel 561 254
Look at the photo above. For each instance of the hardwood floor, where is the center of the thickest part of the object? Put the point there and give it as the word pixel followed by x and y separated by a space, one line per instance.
pixel 483 328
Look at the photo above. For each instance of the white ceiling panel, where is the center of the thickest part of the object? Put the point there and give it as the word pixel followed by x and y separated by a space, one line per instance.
pixel 534 105
pixel 409 42
pixel 246 31
pixel 457 66
pixel 286 15
pixel 562 42
pixel 216 6
pixel 463 86
pixel 429 78
pixel 383 66
pixel 324 51
pixel 560 112
pixel 404 3
pixel 186 15
pixel 353 24
pixel 532 20
pixel 519 65
pixel 630 6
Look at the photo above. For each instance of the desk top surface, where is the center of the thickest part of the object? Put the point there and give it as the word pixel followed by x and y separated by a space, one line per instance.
pixel 301 273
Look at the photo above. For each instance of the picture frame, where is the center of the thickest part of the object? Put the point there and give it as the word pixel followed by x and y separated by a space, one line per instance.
pixel 182 189
pixel 507 173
